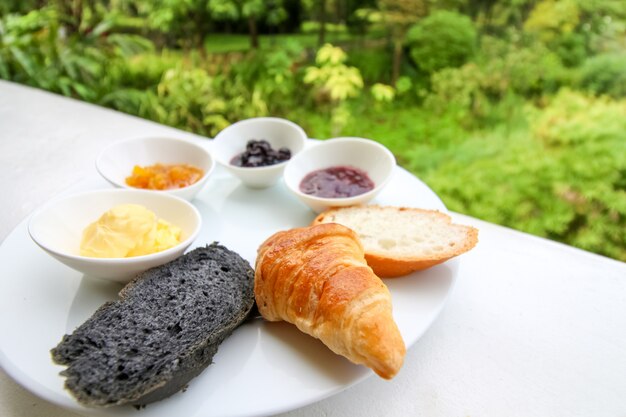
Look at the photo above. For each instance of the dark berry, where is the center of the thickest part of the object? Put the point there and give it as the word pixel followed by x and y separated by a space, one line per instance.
pixel 260 153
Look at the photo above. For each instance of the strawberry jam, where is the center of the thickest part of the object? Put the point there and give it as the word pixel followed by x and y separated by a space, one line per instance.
pixel 336 182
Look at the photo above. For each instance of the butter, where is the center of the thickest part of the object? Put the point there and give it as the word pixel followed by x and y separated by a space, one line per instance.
pixel 128 230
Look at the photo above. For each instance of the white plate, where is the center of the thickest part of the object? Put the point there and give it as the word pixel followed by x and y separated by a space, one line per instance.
pixel 263 368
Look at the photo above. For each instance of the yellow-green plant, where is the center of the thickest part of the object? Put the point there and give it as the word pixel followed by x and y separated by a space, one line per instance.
pixel 551 18
pixel 383 93
pixel 333 83
pixel 331 77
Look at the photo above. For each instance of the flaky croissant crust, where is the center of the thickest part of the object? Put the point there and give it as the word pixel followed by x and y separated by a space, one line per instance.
pixel 316 277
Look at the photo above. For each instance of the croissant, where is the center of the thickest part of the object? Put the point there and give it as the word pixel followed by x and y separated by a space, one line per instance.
pixel 316 277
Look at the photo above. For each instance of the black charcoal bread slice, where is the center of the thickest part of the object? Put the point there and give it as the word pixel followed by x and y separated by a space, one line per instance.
pixel 163 331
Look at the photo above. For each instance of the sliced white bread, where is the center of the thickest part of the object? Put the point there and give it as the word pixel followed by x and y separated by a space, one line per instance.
pixel 400 240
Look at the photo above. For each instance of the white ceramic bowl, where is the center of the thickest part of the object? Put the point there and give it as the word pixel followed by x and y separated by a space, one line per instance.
pixel 58 226
pixel 232 141
pixel 116 162
pixel 367 155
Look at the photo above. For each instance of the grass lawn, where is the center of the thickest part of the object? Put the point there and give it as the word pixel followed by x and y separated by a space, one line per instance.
pixel 222 43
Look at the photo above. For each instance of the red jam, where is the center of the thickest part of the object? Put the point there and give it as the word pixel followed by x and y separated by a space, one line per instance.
pixel 336 182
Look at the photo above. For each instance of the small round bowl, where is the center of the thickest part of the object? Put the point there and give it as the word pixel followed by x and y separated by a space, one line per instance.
pixel 232 141
pixel 116 162
pixel 367 155
pixel 58 226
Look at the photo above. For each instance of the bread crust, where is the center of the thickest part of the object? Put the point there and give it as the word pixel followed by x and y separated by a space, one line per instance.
pixel 386 266
pixel 317 278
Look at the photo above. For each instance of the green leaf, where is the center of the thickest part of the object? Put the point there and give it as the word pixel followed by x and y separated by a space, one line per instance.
pixel 382 92
pixel 4 68
pixel 83 91
pixel 24 60
pixel 223 9
pixel 331 55
pixel 129 45
pixel 102 27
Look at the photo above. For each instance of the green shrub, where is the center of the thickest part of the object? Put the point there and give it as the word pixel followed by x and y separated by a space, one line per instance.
pixel 34 51
pixel 533 70
pixel 564 179
pixel 443 39
pixel 374 64
pixel 457 91
pixel 550 19
pixel 605 74
pixel 571 48
pixel 487 92
pixel 525 68
pixel 269 73
pixel 358 24
pixel 142 71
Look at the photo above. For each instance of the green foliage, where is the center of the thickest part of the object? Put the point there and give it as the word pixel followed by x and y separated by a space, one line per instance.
pixel 481 92
pixel 189 98
pixel 270 74
pixel 240 9
pixel 224 9
pixel 331 77
pixel 571 48
pixel 551 18
pixel 404 85
pixel 564 179
pixel 605 74
pixel 142 71
pixel 527 70
pixel 373 63
pixel 457 91
pixel 383 93
pixel 442 40
pixel 333 84
pixel 419 140
pixel 17 6
pixel 398 16
pixel 358 23
pixel 183 95
pixel 558 25
pixel 32 51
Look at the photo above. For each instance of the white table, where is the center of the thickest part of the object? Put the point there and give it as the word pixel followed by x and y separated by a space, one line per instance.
pixel 532 328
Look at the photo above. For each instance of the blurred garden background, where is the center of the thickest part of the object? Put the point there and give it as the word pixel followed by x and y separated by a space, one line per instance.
pixel 513 111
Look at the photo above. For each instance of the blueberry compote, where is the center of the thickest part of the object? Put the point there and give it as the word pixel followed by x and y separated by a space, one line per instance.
pixel 336 182
pixel 259 153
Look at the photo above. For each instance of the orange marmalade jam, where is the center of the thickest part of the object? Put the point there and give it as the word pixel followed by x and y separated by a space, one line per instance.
pixel 164 177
